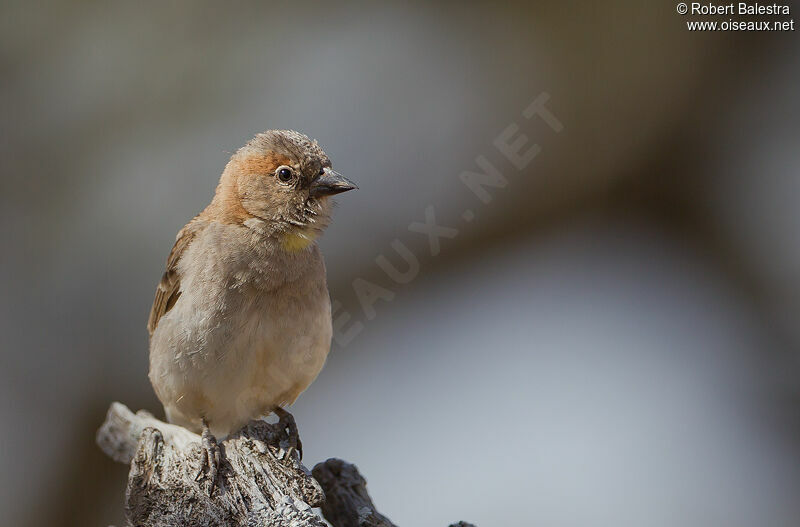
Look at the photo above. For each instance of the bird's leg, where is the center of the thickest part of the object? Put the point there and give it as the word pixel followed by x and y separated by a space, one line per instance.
pixel 284 415
pixel 210 456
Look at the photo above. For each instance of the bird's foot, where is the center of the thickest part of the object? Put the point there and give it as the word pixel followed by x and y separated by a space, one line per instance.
pixel 288 419
pixel 209 466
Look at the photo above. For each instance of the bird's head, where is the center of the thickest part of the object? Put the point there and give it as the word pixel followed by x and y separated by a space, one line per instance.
pixel 281 181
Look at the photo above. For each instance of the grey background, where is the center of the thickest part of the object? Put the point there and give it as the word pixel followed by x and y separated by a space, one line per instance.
pixel 611 341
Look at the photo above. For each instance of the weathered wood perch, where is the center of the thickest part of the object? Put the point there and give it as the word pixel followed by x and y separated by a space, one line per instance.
pixel 261 479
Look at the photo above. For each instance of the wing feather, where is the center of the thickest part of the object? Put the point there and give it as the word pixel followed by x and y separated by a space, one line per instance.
pixel 168 290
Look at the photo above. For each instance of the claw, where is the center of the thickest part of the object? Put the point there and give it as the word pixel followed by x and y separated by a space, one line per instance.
pixel 211 456
pixel 284 415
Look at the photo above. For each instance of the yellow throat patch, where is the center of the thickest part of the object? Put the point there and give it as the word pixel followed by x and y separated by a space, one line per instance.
pixel 298 239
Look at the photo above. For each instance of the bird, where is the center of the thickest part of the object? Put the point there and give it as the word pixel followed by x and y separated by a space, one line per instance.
pixel 241 320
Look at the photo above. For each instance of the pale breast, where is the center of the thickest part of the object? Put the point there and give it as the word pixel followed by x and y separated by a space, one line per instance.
pixel 233 348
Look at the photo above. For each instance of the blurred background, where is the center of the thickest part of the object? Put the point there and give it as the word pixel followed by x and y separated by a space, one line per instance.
pixel 612 339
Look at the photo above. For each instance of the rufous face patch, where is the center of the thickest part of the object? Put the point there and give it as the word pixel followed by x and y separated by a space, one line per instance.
pixel 262 164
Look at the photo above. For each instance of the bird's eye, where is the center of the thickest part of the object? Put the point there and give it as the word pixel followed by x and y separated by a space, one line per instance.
pixel 321 171
pixel 284 174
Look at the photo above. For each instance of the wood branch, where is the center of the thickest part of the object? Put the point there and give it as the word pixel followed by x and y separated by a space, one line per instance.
pixel 347 503
pixel 261 481
pixel 120 433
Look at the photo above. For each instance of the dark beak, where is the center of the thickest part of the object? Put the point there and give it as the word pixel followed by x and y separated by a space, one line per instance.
pixel 329 183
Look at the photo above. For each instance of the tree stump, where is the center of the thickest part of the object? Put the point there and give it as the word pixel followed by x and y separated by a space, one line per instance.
pixel 261 481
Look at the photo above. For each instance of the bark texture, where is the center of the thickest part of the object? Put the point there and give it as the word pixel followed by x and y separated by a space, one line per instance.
pixel 261 481
pixel 347 503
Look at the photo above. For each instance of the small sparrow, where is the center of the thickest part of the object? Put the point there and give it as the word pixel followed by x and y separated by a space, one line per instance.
pixel 241 322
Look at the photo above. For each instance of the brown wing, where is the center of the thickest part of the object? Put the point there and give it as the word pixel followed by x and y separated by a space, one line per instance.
pixel 168 289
